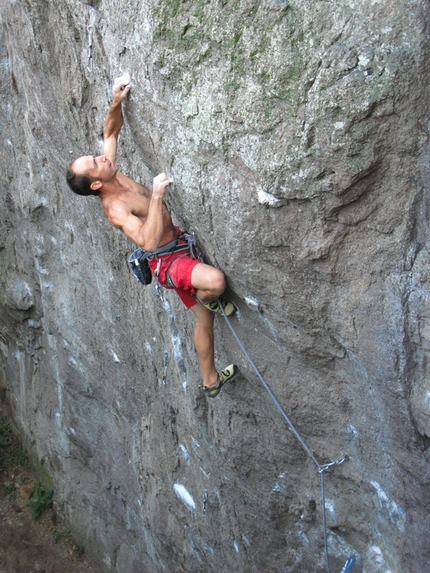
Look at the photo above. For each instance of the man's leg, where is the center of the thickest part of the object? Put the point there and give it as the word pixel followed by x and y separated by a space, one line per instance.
pixel 204 343
pixel 213 381
pixel 208 282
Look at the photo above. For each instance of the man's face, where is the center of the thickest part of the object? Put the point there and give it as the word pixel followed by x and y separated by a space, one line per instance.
pixel 99 168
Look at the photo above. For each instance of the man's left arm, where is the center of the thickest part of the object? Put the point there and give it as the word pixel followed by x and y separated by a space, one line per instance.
pixel 114 118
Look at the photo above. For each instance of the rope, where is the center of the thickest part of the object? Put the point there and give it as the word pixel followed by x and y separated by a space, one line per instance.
pixel 322 468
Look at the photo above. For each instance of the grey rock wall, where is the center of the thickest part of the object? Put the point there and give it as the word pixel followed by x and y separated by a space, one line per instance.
pixel 297 136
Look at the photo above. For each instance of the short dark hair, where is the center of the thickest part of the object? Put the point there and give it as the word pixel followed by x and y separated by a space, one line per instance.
pixel 80 183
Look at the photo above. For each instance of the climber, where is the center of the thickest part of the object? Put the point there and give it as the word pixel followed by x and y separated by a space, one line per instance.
pixel 143 216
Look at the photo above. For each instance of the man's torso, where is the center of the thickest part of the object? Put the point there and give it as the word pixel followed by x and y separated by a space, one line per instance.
pixel 137 198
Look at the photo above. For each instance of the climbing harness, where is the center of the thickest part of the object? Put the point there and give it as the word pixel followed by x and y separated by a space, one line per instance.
pixel 195 252
pixel 139 258
pixel 322 468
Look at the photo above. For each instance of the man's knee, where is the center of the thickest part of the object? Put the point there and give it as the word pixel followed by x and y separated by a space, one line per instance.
pixel 217 282
pixel 207 278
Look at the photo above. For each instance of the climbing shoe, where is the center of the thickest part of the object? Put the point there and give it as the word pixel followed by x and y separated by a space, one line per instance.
pixel 223 376
pixel 227 307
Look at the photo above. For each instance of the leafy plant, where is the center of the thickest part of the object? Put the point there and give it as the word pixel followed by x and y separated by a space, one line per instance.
pixel 66 537
pixel 58 535
pixel 9 491
pixel 11 452
pixel 40 499
pixel 78 550
pixel 5 431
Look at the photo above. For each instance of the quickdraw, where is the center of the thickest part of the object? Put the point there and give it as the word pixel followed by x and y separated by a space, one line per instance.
pixel 90 30
pixel 322 468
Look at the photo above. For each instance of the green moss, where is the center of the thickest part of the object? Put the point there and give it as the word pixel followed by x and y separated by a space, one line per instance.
pixel 11 452
pixel 289 74
pixel 261 47
pixel 170 8
pixel 43 474
pixel 5 434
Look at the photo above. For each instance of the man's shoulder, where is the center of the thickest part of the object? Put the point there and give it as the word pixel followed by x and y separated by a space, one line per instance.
pixel 133 185
pixel 123 177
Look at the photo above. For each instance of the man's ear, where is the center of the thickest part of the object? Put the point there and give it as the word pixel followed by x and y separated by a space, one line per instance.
pixel 95 185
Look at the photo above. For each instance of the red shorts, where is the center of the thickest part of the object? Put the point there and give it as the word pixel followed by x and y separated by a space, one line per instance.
pixel 175 273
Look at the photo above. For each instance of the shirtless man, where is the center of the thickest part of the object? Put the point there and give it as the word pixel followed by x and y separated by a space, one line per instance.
pixel 143 216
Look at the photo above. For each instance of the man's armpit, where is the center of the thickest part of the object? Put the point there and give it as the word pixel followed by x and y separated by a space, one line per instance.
pixel 117 213
pixel 109 148
pixel 130 225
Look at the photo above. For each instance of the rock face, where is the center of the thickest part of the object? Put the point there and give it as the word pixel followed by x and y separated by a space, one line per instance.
pixel 296 134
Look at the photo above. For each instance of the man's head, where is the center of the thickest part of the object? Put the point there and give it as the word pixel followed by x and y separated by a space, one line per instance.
pixel 87 175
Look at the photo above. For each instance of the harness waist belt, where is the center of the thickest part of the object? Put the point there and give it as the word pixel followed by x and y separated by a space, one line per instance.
pixel 170 247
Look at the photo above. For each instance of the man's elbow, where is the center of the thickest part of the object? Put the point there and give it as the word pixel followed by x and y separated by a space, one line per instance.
pixel 149 246
pixel 110 132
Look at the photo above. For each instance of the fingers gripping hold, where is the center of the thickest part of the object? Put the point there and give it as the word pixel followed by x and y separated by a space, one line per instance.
pixel 160 183
pixel 121 86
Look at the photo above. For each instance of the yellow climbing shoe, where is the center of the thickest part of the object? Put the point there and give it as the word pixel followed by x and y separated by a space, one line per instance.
pixel 223 376
pixel 228 308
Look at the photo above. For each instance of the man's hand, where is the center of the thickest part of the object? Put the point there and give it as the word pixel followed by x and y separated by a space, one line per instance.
pixel 121 87
pixel 159 185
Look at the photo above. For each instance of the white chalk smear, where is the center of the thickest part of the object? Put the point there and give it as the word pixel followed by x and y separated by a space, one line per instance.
pixel 184 452
pixel 396 513
pixel 184 496
pixel 268 199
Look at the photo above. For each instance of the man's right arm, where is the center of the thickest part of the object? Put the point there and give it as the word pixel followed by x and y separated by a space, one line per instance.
pixel 114 117
pixel 148 234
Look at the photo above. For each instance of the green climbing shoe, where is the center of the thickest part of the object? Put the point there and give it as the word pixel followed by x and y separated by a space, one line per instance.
pixel 227 307
pixel 224 376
